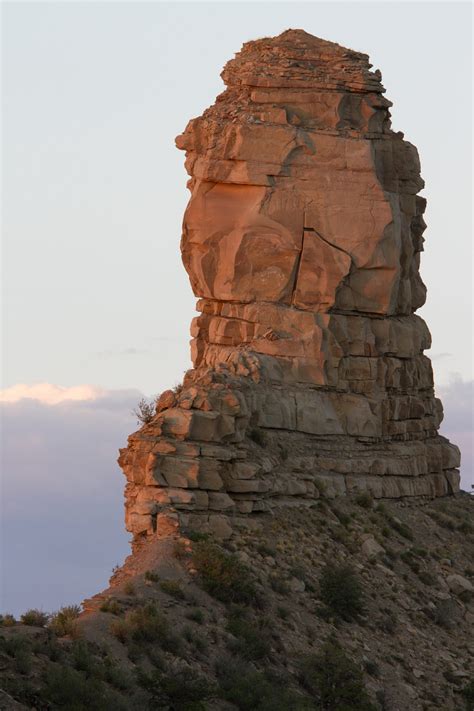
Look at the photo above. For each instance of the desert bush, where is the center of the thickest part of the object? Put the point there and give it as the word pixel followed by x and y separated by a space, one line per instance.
pixel 19 648
pixel 49 647
pixel 372 668
pixel 222 574
pixel 467 693
pixel 112 606
pixel 343 518
pixel 321 487
pixel 401 528
pixel 7 620
pixel 185 689
pixel 146 624
pixel 252 690
pixel 446 614
pixel 334 681
pixel 145 411
pixel 279 585
pixel 427 578
pixel 341 591
pixel 173 588
pixel 83 659
pixel 364 500
pixel 180 550
pixel 409 559
pixel 151 576
pixel 258 436
pixel 252 641
pixel 265 550
pixel 34 618
pixel 466 527
pixel 197 536
pixel 69 688
pixel 196 615
pixel 116 675
pixel 388 622
pixel 129 588
pixel 64 622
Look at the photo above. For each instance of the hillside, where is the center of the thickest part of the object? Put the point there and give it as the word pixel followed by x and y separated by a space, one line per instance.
pixel 374 602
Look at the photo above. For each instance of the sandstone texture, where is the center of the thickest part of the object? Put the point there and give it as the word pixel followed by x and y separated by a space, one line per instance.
pixel 302 242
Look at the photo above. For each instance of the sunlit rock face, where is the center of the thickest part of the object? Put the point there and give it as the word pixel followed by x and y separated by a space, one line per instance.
pixel 301 239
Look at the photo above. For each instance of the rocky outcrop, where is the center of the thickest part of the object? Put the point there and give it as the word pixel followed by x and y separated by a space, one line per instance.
pixel 302 240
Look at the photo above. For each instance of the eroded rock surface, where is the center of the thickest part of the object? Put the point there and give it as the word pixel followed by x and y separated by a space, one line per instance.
pixel 302 241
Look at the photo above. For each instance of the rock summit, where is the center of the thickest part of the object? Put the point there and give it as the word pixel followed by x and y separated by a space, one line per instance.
pixel 302 241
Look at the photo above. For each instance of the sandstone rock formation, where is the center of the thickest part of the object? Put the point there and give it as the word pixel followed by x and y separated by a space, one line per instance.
pixel 302 240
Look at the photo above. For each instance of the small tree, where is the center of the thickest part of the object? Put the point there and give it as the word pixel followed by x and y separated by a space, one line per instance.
pixel 341 591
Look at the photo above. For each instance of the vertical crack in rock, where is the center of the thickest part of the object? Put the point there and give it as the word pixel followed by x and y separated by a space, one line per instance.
pixel 309 372
pixel 297 267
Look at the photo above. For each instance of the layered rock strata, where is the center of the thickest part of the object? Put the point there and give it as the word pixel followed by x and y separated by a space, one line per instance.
pixel 302 240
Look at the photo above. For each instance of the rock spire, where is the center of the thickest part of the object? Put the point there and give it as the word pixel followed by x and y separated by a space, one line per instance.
pixel 302 242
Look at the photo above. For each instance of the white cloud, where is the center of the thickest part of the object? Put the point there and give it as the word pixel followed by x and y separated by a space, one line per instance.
pixel 62 495
pixel 49 394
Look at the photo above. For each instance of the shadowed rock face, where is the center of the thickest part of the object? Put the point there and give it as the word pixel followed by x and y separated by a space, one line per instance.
pixel 301 239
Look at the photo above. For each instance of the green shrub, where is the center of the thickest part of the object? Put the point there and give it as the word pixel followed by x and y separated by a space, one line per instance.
pixel 409 559
pixel 7 620
pixel 151 576
pixel 196 616
pixel 265 550
pixel 223 576
pixel 252 641
pixel 427 578
pixel 173 588
pixel 466 527
pixel 343 518
pixel 279 585
pixel 64 622
pixel 364 500
pixel 258 436
pixel 388 623
pixel 111 605
pixel 185 690
pixel 197 536
pixel 468 694
pixel 372 668
pixel 334 681
pixel 129 588
pixel 19 648
pixel 68 688
pixel 117 675
pixel 401 528
pixel 34 618
pixel 180 550
pixel 143 625
pixel 321 486
pixel 252 690
pixel 341 591
pixel 83 660
pixel 48 647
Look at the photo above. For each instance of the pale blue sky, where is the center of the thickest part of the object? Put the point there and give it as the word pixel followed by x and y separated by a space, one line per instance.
pixel 94 189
